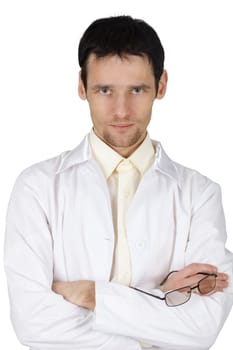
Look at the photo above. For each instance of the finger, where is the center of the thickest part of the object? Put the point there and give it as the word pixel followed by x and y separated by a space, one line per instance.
pixel 221 284
pixel 222 276
pixel 176 281
pixel 221 280
pixel 189 281
pixel 215 291
pixel 194 268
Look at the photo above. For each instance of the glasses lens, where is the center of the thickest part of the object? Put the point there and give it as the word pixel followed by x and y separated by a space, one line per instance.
pixel 178 296
pixel 207 284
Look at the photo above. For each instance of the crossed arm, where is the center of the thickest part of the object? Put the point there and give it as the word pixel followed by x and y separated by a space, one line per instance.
pixel 82 293
pixel 122 317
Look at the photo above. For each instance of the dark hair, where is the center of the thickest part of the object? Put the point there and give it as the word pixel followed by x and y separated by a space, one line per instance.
pixel 121 35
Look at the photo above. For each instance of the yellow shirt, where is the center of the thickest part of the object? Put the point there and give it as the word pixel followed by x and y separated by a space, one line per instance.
pixel 122 176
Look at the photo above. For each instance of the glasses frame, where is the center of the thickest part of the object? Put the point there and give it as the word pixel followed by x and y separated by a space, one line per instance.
pixel 189 291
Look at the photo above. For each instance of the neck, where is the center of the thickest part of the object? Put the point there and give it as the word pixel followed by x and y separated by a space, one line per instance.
pixel 125 152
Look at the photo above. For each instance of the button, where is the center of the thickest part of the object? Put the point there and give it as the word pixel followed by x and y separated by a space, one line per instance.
pixel 140 244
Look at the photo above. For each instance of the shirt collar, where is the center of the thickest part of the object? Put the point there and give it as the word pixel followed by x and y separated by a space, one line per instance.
pixel 107 158
pixel 143 156
pixel 82 153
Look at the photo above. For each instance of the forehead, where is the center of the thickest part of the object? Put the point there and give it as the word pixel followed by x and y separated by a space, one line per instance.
pixel 116 68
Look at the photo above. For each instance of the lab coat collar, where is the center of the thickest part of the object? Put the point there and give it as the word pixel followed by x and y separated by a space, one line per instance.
pixel 78 155
pixel 82 153
pixel 164 164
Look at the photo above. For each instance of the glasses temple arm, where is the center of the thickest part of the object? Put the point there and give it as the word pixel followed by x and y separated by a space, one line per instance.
pixel 142 291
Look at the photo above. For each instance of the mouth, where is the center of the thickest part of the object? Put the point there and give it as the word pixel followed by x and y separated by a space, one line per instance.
pixel 121 126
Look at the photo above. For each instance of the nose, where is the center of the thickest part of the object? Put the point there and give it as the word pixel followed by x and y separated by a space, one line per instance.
pixel 121 106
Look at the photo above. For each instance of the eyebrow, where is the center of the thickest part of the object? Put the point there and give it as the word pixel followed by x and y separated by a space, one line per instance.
pixel 142 86
pixel 100 86
pixel 110 86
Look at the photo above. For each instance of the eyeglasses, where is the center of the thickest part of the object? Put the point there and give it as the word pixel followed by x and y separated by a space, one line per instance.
pixel 180 296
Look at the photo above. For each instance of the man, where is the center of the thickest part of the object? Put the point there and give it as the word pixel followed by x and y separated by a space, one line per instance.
pixel 93 233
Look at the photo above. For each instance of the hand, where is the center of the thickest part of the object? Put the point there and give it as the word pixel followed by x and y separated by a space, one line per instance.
pixel 81 293
pixel 188 276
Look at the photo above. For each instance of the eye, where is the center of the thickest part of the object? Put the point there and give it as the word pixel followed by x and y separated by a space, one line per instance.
pixel 104 91
pixel 137 90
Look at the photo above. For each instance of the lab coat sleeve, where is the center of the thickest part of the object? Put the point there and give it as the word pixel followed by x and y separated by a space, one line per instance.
pixel 194 325
pixel 41 318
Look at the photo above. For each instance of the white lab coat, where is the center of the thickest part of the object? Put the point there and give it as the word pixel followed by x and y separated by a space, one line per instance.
pixel 59 227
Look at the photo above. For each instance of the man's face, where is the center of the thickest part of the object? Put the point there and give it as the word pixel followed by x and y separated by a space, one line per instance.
pixel 120 93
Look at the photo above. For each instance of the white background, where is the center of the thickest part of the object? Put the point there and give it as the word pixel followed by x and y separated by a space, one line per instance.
pixel 41 114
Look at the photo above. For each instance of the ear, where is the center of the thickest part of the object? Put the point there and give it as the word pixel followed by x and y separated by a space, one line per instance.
pixel 162 85
pixel 81 88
